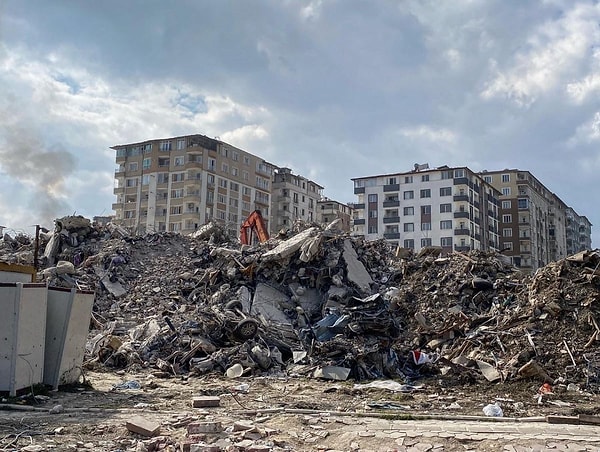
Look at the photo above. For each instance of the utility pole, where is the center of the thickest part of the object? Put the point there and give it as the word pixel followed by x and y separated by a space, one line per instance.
pixel 37 245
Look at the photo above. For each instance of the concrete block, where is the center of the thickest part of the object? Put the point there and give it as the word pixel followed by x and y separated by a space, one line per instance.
pixel 206 401
pixel 205 448
pixel 204 427
pixel 143 427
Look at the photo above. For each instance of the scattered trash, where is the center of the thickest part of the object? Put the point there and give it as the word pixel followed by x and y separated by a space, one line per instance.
pixel 493 410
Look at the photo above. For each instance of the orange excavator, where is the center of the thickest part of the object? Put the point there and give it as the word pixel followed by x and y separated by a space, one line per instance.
pixel 254 226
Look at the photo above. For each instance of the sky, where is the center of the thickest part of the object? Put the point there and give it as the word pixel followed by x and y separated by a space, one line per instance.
pixel 334 89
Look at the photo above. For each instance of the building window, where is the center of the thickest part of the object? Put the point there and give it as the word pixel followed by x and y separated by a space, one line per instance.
pixel 246 191
pixel 506 191
pixel 372 198
pixel 146 163
pixel 372 214
pixel 222 183
pixel 372 229
pixel 447 174
pixel 408 179
pixel 234 187
pixel 179 161
pixel 176 210
pixel 507 246
pixel 505 178
pixel 165 146
pixel 506 204
pixel 409 227
pixel 212 164
pixel 131 182
pixel 178 193
pixel 130 214
pixel 224 167
pixel 445 191
pixel 446 242
pixel 133 166
pixel 425 178
pixel 459 173
pixel 210 179
pixel 409 194
pixel 145 179
pixel 409 243
pixel 425 242
pixel 507 232
pixel 409 211
pixel 162 162
pixel 234 171
pixel 163 178
pixel 391 181
pixel 445 208
pixel 446 224
pixel 425 226
pixel 425 210
pixel 177 177
pixel 180 144
pixel 523 203
pixel 221 198
pixel 507 218
pixel 488 179
pixel 426 193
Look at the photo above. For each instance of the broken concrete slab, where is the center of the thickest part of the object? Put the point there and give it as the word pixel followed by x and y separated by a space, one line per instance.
pixel 288 247
pixel 206 401
pixel 332 373
pixel 356 271
pixel 270 303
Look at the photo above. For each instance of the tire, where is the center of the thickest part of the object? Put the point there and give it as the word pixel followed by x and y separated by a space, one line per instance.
pixel 245 329
pixel 234 305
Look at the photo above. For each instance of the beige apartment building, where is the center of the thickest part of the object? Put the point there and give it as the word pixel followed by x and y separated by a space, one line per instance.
pixel 329 210
pixel 294 198
pixel 537 227
pixel 579 232
pixel 180 183
pixel 452 208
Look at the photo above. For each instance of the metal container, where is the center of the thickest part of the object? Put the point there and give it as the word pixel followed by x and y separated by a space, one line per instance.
pixel 22 335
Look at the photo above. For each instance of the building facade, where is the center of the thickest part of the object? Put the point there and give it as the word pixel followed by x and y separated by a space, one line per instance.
pixel 329 210
pixel 578 231
pixel 452 208
pixel 535 221
pixel 294 198
pixel 180 183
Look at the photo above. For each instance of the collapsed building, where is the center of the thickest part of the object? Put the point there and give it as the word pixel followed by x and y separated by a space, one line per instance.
pixel 321 303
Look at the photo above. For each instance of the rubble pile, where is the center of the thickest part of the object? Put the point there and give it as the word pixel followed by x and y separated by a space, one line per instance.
pixel 321 303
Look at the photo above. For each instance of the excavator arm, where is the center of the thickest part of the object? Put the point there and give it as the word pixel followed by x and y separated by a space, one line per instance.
pixel 254 225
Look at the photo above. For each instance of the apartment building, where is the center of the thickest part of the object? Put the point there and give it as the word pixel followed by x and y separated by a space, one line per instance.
pixel 180 183
pixel 533 219
pixel 578 231
pixel 452 208
pixel 294 198
pixel 329 210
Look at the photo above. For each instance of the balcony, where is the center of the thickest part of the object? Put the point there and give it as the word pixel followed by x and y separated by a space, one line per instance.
pixel 461 198
pixel 359 221
pixel 359 206
pixel 478 237
pixel 477 220
pixel 462 248
pixel 391 187
pixel 193 164
pixel 119 190
pixel 391 219
pixel 120 172
pixel 391 235
pixel 461 214
pixel 117 206
pixel 359 190
pixel 461 181
pixel 463 231
pixel 476 204
pixel 391 203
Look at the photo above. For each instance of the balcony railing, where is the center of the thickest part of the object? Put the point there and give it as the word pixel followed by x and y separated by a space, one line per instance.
pixel 391 235
pixel 395 203
pixel 462 231
pixel 391 219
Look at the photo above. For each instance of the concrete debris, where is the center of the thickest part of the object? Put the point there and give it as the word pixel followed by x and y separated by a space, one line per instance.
pixel 319 303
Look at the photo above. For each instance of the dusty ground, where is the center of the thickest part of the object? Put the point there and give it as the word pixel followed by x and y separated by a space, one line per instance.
pixel 94 415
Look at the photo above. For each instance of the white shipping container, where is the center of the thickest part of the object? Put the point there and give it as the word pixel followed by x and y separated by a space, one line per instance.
pixel 67 327
pixel 22 335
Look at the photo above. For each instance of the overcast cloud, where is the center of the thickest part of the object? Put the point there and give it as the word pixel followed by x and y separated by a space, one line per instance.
pixel 334 89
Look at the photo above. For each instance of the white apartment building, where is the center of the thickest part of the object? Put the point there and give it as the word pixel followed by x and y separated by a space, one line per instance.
pixel 452 208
